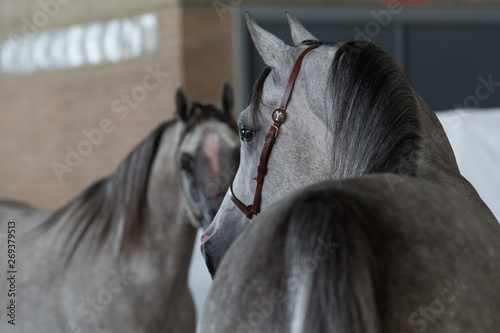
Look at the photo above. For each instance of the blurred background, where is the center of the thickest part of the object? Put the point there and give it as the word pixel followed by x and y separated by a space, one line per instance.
pixel 67 64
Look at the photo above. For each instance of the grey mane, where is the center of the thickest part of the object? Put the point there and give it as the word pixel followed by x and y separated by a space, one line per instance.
pixel 256 96
pixel 121 196
pixel 373 120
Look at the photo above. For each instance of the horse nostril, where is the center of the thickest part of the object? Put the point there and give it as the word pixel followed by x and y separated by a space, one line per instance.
pixel 210 232
pixel 204 238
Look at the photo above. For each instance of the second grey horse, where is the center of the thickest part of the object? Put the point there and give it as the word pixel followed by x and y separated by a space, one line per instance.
pixel 116 257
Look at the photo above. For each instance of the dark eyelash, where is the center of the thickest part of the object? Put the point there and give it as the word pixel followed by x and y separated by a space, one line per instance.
pixel 246 134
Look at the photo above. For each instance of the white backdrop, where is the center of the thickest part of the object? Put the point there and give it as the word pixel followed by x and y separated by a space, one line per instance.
pixel 475 137
pixel 199 279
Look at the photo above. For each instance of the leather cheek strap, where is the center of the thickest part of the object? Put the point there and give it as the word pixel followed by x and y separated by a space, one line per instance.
pixel 254 209
pixel 262 169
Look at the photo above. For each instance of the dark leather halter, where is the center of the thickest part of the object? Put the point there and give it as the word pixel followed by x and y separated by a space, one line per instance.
pixel 278 116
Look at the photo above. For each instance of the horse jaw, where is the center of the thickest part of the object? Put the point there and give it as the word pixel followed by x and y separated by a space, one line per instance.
pixel 219 236
pixel 299 33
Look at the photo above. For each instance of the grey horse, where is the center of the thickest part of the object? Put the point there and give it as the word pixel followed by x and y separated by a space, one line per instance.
pixel 116 257
pixel 367 224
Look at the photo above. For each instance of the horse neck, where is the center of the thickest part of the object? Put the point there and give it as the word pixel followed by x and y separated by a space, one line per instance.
pixel 99 223
pixel 169 233
pixel 436 161
pixel 433 159
pixel 170 240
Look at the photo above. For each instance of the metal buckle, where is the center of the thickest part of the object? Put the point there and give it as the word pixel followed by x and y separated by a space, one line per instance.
pixel 277 129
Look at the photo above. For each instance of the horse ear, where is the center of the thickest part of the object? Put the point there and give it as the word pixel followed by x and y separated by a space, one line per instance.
pixel 227 98
pixel 299 33
pixel 272 49
pixel 181 105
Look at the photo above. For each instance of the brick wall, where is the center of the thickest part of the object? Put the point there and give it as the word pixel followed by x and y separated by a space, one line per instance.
pixel 207 45
pixel 43 113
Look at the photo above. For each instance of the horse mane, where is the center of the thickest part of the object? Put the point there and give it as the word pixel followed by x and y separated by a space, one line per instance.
pixel 116 204
pixel 256 95
pixel 374 119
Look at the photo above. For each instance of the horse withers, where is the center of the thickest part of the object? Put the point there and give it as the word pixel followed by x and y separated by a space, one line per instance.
pixel 116 257
pixel 365 224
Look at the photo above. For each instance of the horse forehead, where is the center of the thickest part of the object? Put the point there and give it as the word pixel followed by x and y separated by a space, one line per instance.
pixel 313 73
pixel 209 136
pixel 318 64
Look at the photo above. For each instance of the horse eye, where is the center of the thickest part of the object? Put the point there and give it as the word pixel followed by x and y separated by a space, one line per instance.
pixel 246 134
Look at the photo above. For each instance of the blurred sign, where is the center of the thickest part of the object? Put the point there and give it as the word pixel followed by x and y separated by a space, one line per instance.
pixel 80 45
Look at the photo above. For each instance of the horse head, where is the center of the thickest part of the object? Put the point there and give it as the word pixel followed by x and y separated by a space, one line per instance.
pixel 300 156
pixel 208 154
pixel 352 112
